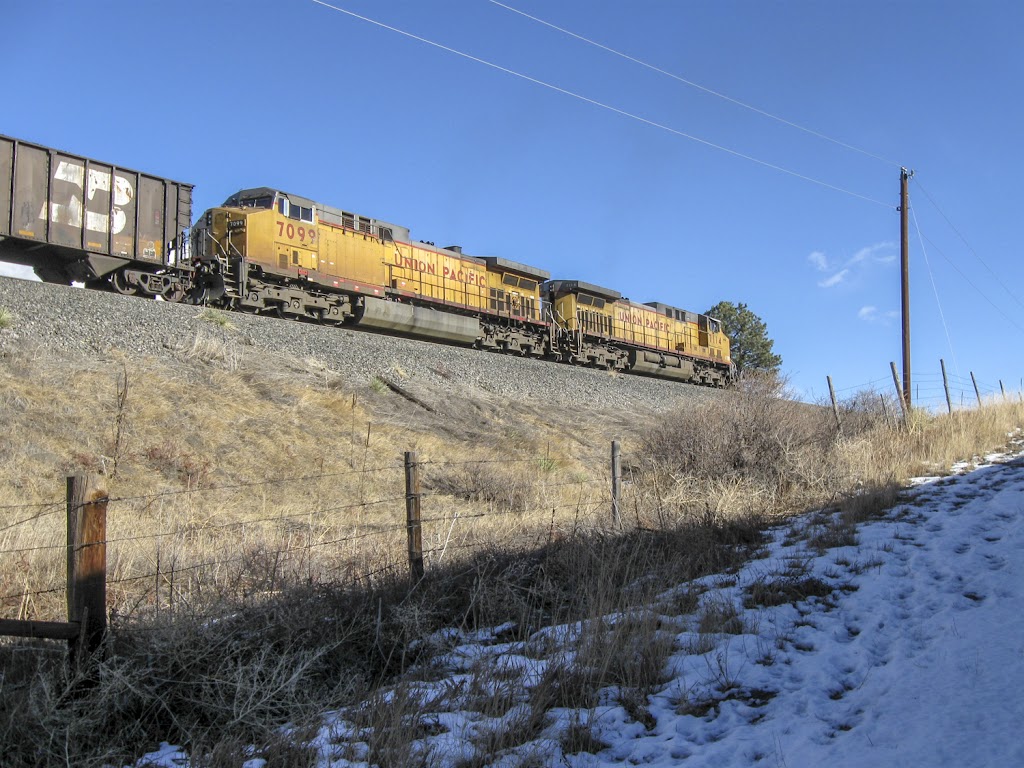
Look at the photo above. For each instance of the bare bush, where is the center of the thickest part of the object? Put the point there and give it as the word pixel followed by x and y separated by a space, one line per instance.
pixel 754 452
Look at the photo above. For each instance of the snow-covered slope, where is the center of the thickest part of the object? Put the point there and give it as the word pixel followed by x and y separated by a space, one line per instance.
pixel 915 658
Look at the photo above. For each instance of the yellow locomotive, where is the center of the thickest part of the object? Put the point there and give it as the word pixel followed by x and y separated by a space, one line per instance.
pixel 268 251
pixel 285 254
pixel 602 328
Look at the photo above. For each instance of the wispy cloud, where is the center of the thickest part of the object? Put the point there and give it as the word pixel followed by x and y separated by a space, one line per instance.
pixel 836 279
pixel 879 253
pixel 870 314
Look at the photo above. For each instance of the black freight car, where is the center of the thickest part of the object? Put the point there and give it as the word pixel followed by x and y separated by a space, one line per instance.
pixel 76 219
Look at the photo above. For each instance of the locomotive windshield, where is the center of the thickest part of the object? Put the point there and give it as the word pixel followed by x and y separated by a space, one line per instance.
pixel 263 201
pixel 251 199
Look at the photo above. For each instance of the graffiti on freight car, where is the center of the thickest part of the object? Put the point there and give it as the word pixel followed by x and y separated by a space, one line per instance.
pixel 69 184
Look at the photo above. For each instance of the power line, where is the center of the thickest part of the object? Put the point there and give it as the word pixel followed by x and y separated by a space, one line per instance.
pixel 698 86
pixel 602 105
pixel 970 283
pixel 969 248
pixel 935 290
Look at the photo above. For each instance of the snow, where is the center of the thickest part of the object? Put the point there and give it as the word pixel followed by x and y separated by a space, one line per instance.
pixel 915 658
pixel 18 271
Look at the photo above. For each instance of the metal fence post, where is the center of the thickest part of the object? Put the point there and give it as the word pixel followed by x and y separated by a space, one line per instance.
pixel 945 385
pixel 616 484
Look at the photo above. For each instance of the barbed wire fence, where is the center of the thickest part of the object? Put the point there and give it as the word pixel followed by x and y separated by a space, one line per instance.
pixel 178 548
pixel 174 549
pixel 934 391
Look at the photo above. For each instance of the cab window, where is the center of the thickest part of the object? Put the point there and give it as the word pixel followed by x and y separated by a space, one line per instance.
pixel 300 213
pixel 296 212
pixel 265 201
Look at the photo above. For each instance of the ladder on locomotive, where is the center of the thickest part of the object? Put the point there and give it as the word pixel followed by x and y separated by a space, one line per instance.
pixel 560 334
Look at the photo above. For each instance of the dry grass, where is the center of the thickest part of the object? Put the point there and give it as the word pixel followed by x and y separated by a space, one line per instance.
pixel 257 542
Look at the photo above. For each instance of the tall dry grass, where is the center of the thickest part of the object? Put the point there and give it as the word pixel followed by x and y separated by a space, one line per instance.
pixel 763 453
pixel 257 541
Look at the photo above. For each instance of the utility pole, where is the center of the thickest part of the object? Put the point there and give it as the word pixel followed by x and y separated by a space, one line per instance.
pixel 905 277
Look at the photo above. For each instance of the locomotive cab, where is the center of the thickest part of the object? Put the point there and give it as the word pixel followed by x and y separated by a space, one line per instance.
pixel 264 226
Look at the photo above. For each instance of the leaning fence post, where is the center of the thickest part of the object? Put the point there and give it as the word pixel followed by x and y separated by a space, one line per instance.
pixel 899 393
pixel 87 562
pixel 945 386
pixel 977 394
pixel 616 484
pixel 835 406
pixel 1002 389
pixel 412 515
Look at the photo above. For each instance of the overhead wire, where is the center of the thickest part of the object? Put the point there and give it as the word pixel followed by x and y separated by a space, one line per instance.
pixel 602 105
pixel 964 241
pixel 970 282
pixel 935 290
pixel 698 86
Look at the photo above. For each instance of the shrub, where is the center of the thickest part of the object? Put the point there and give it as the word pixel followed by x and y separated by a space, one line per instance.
pixel 757 449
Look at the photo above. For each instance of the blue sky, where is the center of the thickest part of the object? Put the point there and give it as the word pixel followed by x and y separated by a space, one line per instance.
pixel 303 97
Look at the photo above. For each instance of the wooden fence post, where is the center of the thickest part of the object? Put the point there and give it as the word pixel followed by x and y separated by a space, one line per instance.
pixel 616 484
pixel 412 515
pixel 835 406
pixel 945 385
pixel 885 410
pixel 899 393
pixel 977 394
pixel 87 562
pixel 1002 389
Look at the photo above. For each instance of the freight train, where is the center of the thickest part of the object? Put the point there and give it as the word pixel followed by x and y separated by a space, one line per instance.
pixel 71 218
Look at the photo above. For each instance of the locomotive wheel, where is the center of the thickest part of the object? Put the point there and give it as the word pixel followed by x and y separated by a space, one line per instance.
pixel 119 282
pixel 174 293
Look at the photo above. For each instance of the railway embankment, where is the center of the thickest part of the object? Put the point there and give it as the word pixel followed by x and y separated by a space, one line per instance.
pixel 74 322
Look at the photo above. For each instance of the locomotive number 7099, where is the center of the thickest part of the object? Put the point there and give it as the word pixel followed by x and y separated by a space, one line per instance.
pixel 289 231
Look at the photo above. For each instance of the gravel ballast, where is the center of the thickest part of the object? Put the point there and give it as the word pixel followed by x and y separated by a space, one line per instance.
pixel 74 321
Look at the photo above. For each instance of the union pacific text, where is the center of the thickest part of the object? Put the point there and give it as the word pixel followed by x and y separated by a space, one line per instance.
pixel 647 320
pixel 447 273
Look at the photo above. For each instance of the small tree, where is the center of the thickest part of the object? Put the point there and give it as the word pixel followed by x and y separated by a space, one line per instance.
pixel 751 349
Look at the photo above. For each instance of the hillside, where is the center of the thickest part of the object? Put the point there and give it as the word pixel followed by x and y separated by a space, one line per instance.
pixel 75 323
pixel 258 570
